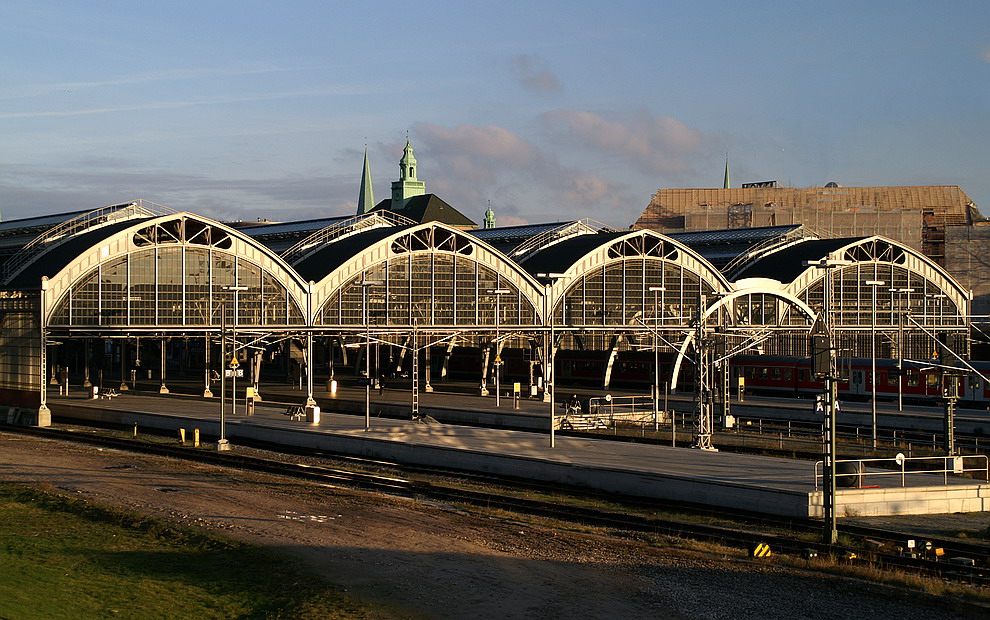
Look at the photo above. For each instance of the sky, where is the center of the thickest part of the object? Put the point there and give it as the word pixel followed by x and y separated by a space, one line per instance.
pixel 550 110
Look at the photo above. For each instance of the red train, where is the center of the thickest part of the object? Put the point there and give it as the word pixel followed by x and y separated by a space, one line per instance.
pixel 761 374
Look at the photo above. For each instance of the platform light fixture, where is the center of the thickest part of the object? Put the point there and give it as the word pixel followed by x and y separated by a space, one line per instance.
pixel 901 292
pixel 873 354
pixel 656 290
pixel 498 292
pixel 222 443
pixel 367 351
pixel 550 375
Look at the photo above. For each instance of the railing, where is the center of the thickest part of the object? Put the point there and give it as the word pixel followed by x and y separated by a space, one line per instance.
pixel 564 231
pixel 856 472
pixel 757 251
pixel 86 221
pixel 375 219
pixel 607 411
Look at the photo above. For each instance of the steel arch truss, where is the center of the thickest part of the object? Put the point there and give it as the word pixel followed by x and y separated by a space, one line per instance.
pixel 429 276
pixel 639 276
pixel 169 274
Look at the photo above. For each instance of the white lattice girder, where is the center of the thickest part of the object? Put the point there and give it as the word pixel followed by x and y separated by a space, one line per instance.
pixel 381 251
pixel 686 258
pixel 122 243
pixel 914 262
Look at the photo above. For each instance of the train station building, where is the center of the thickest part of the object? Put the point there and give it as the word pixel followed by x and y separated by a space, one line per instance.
pixel 92 298
pixel 411 288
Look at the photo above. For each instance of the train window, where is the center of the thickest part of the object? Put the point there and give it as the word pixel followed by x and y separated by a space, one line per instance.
pixel 913 378
pixel 750 372
pixel 787 374
pixel 804 375
pixel 764 373
pixel 974 383
pixel 775 374
pixel 931 380
pixel 892 379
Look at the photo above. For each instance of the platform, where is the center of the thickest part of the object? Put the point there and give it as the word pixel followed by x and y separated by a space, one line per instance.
pixel 761 484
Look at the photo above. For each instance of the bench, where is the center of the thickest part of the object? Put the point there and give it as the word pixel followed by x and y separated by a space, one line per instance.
pixel 295 412
pixel 108 394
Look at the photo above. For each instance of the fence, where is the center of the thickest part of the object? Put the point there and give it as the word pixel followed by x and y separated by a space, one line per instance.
pixel 609 412
pixel 852 473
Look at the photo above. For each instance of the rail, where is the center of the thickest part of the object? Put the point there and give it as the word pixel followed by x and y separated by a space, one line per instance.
pixel 854 470
pixel 757 251
pixel 86 221
pixel 608 411
pixel 564 231
pixel 365 221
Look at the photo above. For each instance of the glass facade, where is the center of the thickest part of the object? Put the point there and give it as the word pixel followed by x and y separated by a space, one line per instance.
pixel 618 293
pixel 445 289
pixel 177 285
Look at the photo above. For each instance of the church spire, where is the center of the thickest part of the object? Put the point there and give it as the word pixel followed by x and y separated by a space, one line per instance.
pixel 725 183
pixel 366 196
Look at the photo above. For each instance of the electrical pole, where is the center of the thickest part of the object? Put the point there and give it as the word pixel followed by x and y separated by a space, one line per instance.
pixel 824 367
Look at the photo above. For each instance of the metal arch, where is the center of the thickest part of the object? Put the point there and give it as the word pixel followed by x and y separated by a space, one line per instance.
pixel 381 251
pixel 917 263
pixel 121 244
pixel 696 262
pixel 358 223
pixel 707 274
pixel 90 220
pixel 723 301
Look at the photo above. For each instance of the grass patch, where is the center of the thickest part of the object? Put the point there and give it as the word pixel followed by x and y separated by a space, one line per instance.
pixel 62 557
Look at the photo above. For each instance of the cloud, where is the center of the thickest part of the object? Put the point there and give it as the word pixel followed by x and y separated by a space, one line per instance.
pixel 136 79
pixel 469 165
pixel 84 185
pixel 474 155
pixel 534 75
pixel 201 101
pixel 657 144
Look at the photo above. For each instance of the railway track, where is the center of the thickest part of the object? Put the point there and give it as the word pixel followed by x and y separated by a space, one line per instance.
pixel 961 561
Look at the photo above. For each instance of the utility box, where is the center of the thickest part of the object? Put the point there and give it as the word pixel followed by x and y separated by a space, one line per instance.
pixel 313 414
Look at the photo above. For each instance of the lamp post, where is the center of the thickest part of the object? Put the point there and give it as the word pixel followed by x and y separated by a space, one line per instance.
pixel 900 342
pixel 367 349
pixel 222 443
pixel 656 290
pixel 873 354
pixel 498 347
pixel 550 375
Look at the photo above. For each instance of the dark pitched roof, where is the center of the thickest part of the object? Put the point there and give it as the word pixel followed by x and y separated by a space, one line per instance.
pixel 56 258
pixel 429 208
pixel 788 263
pixel 558 257
pixel 507 238
pixel 314 267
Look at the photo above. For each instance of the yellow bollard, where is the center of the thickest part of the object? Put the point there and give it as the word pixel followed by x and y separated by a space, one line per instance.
pixel 195 437
pixel 135 430
pixel 182 436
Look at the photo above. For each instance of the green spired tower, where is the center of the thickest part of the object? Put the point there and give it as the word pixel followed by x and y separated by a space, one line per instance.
pixel 366 196
pixel 407 186
pixel 489 217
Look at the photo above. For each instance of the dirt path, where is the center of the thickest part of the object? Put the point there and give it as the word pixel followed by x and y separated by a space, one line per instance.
pixel 429 561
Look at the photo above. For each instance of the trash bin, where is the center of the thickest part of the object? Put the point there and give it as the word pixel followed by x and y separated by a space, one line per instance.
pixel 93 392
pixel 849 474
pixel 313 414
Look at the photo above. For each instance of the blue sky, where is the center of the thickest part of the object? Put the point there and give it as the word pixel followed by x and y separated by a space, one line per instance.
pixel 550 110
